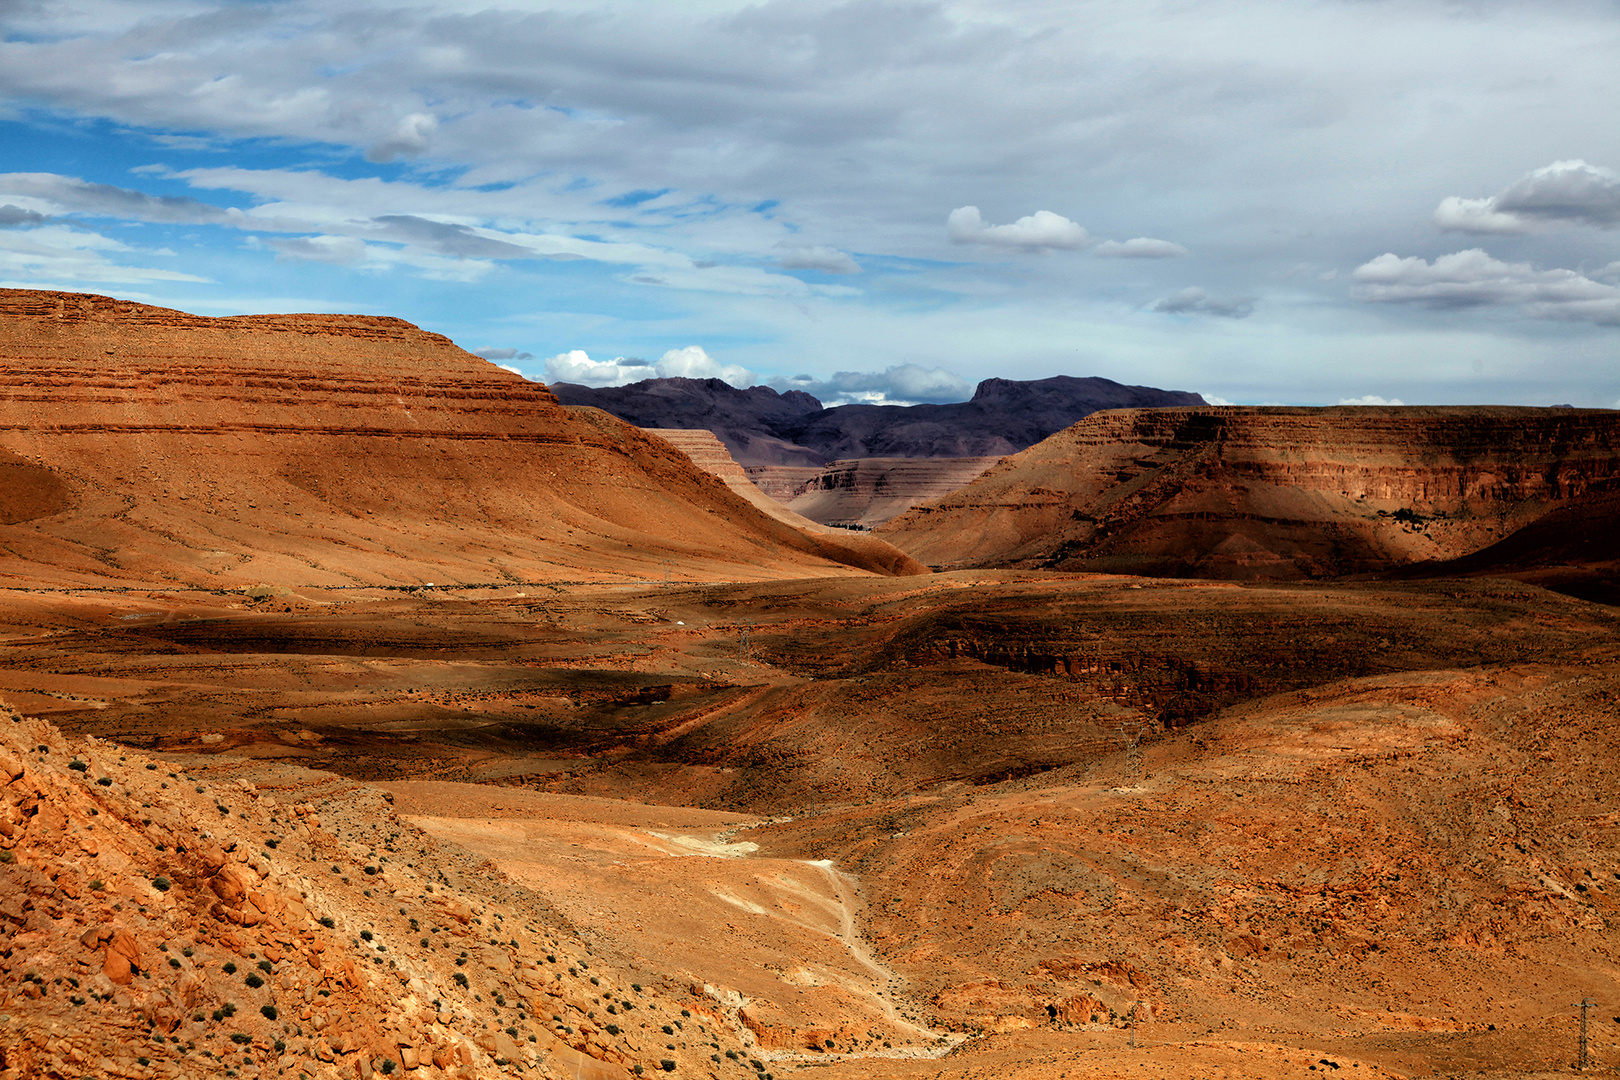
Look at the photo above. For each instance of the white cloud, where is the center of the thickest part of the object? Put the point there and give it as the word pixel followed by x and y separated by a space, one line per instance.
pixel 1140 248
pixel 692 362
pixel 502 354
pixel 825 259
pixel 1196 301
pixel 1371 399
pixel 410 138
pixel 1563 193
pixel 903 384
pixel 1040 231
pixel 69 256
pixel 1474 278
pixel 576 366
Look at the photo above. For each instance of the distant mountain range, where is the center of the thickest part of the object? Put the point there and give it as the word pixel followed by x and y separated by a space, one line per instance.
pixel 762 427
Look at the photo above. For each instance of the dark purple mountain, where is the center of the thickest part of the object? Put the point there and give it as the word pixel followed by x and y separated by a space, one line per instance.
pixel 761 427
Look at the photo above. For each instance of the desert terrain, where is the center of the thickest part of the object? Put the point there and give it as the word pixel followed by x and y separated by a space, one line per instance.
pixel 691 790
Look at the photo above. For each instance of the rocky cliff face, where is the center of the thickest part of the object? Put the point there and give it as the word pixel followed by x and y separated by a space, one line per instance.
pixel 1253 492
pixel 869 491
pixel 710 455
pixel 762 427
pixel 138 442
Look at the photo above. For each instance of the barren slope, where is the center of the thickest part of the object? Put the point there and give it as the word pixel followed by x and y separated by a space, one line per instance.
pixel 870 491
pixel 1280 492
pixel 202 918
pixel 138 443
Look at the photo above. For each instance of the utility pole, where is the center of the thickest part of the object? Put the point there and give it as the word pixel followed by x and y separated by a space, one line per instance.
pixel 1586 1005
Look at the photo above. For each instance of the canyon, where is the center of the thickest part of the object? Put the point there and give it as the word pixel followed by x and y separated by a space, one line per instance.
pixel 1271 493
pixel 512 740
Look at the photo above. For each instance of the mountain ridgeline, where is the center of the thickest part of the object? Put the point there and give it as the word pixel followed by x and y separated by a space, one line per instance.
pixel 762 427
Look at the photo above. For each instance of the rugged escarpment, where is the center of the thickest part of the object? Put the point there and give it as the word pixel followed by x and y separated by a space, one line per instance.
pixel 142 443
pixel 1270 492
pixel 870 491
pixel 710 455
pixel 761 427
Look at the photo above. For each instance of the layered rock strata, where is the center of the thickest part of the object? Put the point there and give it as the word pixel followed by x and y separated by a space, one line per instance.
pixel 1270 492
pixel 709 454
pixel 139 442
pixel 869 491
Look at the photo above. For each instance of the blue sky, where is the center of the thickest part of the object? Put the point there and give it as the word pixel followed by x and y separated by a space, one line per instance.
pixel 1306 202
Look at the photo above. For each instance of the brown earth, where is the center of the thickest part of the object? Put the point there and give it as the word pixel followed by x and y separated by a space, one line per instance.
pixel 142 444
pixel 1251 493
pixel 1282 818
pixel 1011 823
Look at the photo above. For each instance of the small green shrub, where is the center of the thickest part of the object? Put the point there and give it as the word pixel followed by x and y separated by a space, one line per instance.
pixel 268 1012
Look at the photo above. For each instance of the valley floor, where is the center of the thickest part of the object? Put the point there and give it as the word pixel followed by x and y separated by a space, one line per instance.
pixel 970 825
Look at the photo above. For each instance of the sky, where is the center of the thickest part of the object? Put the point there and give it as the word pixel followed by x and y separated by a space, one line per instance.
pixel 1264 201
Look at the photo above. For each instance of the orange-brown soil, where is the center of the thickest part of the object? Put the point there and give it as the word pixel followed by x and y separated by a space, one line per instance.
pixel 142 444
pixel 1273 824
pixel 773 815
pixel 1253 493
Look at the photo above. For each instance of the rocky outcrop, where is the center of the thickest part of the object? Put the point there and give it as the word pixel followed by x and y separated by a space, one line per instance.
pixel 761 427
pixel 139 443
pixel 169 919
pixel 1257 492
pixel 869 491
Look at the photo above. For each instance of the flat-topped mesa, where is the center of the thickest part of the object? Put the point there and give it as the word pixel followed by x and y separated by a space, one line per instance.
pixel 139 443
pixel 1269 492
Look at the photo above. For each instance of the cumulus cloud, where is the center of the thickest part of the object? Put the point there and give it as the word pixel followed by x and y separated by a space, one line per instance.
pixel 13 216
pixel 690 362
pixel 1371 399
pixel 903 384
pixel 576 366
pixel 336 250
pixel 1196 301
pixel 825 259
pixel 410 138
pixel 1040 231
pixel 1142 247
pixel 1473 278
pixel 1563 193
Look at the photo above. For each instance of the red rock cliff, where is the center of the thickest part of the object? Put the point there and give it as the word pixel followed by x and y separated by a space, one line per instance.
pixel 1257 492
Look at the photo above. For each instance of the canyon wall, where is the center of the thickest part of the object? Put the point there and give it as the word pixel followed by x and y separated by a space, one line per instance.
pixel 147 444
pixel 869 491
pixel 1242 492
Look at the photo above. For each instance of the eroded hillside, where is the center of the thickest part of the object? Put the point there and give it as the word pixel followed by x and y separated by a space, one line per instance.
pixel 142 444
pixel 1252 493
